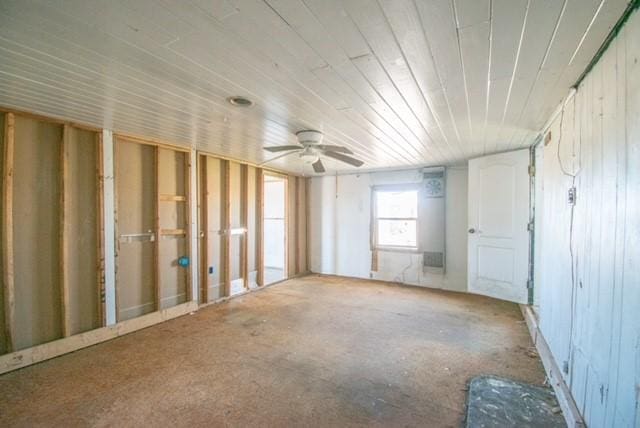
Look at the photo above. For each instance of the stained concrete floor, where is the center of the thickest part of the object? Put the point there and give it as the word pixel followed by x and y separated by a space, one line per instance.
pixel 307 352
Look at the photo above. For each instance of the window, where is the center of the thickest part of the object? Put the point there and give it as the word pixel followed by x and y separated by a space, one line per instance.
pixel 395 217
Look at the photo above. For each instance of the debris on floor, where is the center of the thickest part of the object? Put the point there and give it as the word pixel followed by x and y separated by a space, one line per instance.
pixel 500 402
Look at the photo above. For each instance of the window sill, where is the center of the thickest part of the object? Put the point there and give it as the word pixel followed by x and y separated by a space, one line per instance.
pixel 411 250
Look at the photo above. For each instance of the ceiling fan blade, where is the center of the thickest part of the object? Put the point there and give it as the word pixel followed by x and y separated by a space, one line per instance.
pixel 276 149
pixel 331 148
pixel 276 158
pixel 318 167
pixel 344 158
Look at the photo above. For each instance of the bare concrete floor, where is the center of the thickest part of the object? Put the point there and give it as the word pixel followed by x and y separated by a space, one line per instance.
pixel 307 352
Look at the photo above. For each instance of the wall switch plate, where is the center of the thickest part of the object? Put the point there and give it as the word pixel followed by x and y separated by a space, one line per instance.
pixel 210 270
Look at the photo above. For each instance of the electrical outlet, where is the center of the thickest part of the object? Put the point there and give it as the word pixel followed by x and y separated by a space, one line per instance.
pixel 572 196
pixel 210 270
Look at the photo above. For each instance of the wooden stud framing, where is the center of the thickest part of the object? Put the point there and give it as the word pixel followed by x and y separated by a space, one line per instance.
pixel 187 220
pixel 7 232
pixel 158 232
pixel 260 226
pixel 115 143
pixel 100 230
pixel 226 227
pixel 307 211
pixel 244 221
pixel 287 217
pixel 296 224
pixel 204 231
pixel 64 233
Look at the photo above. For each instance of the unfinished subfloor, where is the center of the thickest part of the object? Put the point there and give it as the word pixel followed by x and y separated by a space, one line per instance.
pixel 318 351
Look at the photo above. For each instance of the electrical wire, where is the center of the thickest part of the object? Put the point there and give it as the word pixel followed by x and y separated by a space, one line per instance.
pixel 573 174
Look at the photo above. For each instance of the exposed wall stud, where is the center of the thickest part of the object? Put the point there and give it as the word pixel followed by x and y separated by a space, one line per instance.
pixel 226 227
pixel 158 232
pixel 204 231
pixel 7 232
pixel 100 230
pixel 296 224
pixel 109 226
pixel 244 220
pixel 260 226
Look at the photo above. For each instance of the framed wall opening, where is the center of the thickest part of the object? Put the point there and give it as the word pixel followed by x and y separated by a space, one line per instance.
pixel 274 228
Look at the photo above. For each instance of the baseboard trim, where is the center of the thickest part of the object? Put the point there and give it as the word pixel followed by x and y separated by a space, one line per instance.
pixel 563 394
pixel 36 354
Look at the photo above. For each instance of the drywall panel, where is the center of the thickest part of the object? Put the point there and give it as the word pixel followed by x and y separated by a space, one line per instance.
pixel 172 210
pixel 36 231
pixel 136 218
pixel 212 203
pixel 3 333
pixel 81 234
pixel 588 274
pixel 339 230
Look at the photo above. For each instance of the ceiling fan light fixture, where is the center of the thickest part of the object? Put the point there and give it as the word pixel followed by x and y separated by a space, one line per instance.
pixel 309 136
pixel 309 156
pixel 240 101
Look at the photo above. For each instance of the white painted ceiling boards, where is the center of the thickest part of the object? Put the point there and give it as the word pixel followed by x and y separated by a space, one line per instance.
pixel 400 82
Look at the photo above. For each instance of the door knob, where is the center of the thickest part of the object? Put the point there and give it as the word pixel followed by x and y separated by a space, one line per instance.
pixel 472 230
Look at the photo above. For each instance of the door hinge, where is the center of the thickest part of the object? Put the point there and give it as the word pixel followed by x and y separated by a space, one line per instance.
pixel 530 226
pixel 532 170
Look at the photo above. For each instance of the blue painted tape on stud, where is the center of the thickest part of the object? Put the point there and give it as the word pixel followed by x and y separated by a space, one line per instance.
pixel 183 261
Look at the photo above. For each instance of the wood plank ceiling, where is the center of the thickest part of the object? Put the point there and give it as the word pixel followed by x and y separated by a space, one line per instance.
pixel 400 82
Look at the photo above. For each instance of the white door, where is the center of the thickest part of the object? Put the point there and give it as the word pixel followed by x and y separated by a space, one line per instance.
pixel 498 245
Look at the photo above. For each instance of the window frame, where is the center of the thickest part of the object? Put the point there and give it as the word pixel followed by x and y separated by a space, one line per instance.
pixel 375 246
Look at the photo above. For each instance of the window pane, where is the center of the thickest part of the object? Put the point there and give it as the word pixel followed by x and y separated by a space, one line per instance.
pixel 397 204
pixel 397 233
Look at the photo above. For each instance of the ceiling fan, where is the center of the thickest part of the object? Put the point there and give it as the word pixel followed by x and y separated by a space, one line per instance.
pixel 311 149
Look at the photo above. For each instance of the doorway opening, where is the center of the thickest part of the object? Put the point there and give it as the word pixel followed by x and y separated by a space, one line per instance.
pixel 274 230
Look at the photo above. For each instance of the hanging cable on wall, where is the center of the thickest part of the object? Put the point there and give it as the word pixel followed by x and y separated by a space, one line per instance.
pixel 572 198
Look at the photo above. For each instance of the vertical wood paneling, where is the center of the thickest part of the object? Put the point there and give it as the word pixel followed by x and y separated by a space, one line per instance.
pixel 589 271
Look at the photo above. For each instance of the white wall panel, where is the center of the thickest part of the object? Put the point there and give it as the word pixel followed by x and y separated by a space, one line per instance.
pixel 588 271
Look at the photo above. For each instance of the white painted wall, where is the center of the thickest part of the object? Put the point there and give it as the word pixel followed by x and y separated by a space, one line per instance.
pixel 343 248
pixel 588 264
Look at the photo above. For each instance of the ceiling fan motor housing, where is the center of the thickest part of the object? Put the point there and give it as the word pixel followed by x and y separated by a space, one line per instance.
pixel 309 137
